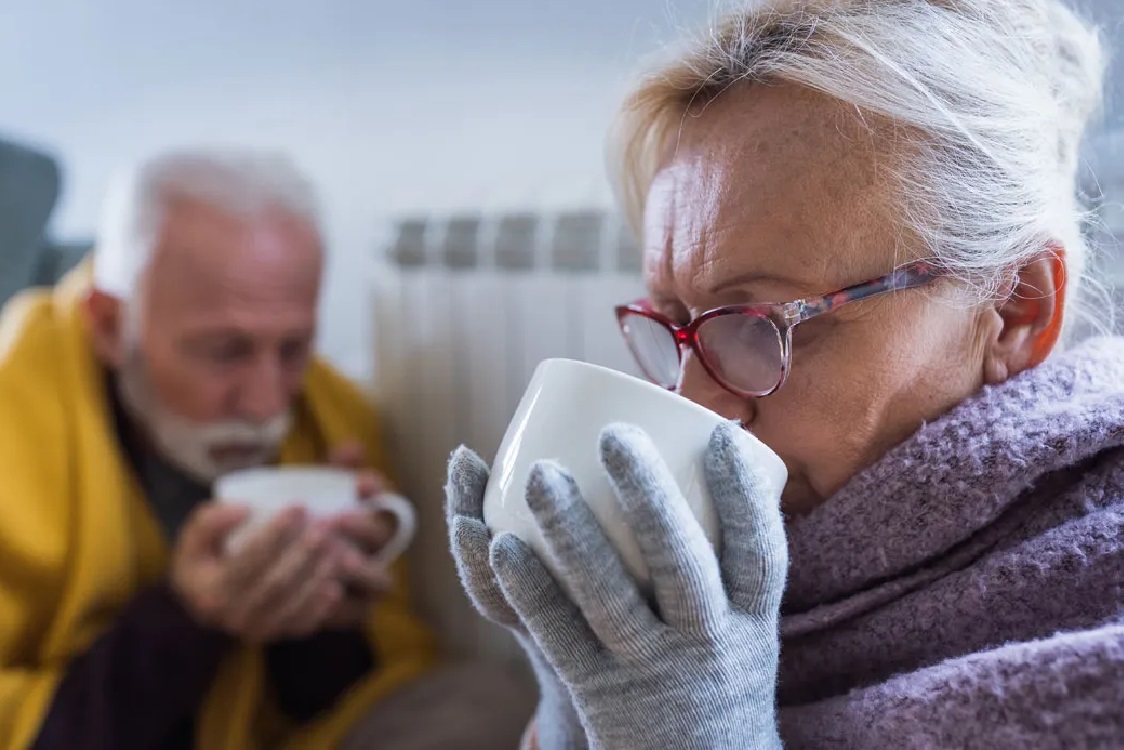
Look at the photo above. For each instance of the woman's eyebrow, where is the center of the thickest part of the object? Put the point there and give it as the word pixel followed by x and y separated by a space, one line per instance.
pixel 754 277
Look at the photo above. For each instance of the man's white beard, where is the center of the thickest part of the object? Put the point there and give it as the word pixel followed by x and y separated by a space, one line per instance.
pixel 191 446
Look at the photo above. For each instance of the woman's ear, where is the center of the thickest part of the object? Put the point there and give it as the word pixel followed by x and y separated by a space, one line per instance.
pixel 1030 315
pixel 104 316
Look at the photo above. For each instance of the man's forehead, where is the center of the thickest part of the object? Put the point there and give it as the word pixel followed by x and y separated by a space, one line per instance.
pixel 207 256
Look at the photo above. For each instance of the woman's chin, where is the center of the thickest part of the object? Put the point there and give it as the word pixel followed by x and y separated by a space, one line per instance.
pixel 798 498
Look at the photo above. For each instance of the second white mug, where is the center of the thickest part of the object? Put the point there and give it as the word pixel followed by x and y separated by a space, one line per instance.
pixel 324 492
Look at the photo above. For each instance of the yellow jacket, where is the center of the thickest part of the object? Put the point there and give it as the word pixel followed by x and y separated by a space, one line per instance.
pixel 77 539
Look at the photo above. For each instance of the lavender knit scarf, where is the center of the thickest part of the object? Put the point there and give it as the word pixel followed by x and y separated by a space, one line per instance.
pixel 968 589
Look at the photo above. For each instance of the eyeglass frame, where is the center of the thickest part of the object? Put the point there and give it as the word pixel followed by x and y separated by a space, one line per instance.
pixel 782 316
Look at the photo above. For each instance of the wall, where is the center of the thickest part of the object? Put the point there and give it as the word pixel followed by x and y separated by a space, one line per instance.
pixel 427 105
pixel 391 106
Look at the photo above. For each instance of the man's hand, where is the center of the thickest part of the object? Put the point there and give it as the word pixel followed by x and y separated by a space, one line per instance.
pixel 363 534
pixel 283 583
pixel 365 580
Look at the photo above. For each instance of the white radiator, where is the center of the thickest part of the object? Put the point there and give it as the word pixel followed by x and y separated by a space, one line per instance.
pixel 465 309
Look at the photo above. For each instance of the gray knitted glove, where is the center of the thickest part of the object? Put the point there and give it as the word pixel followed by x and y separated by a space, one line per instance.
pixel 557 722
pixel 699 671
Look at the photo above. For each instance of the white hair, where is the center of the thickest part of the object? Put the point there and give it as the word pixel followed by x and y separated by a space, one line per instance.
pixel 995 94
pixel 240 182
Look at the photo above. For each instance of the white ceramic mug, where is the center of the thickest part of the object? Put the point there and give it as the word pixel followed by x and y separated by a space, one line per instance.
pixel 561 417
pixel 324 492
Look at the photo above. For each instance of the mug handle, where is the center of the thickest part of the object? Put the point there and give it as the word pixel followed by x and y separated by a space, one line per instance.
pixel 403 511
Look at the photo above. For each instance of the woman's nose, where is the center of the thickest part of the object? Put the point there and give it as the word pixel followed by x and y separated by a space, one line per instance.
pixel 696 384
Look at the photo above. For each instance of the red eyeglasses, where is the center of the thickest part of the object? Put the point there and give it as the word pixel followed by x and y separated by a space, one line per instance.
pixel 747 349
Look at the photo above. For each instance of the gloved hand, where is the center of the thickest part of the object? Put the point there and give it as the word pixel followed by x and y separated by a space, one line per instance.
pixel 697 671
pixel 557 724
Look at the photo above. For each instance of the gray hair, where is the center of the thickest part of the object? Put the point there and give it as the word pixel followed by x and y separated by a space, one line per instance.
pixel 241 182
pixel 998 95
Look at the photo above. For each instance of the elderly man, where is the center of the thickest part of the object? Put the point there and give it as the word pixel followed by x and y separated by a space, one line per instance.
pixel 123 623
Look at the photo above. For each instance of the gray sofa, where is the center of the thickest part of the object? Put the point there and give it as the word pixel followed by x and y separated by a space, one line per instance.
pixel 30 184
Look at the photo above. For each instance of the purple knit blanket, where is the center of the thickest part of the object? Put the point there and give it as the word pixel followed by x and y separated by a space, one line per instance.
pixel 968 589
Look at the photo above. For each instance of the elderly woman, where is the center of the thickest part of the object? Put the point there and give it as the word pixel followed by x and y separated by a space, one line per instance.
pixel 863 245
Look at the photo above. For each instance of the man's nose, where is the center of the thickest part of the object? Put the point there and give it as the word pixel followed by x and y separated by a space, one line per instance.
pixel 696 384
pixel 263 393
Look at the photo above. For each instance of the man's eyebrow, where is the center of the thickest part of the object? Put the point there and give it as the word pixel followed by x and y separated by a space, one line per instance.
pixel 215 333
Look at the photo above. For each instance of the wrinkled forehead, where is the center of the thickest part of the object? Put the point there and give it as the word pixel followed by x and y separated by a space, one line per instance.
pixel 771 180
pixel 212 263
